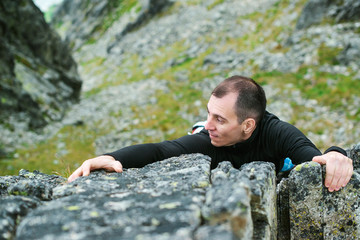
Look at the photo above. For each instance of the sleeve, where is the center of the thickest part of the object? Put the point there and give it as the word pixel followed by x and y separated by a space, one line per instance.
pixel 336 149
pixel 137 156
pixel 291 142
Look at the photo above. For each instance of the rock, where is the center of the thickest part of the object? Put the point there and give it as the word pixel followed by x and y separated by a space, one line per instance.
pixel 155 202
pixel 283 216
pixel 12 209
pixel 354 154
pixel 316 10
pixel 227 206
pixel 316 213
pixel 39 78
pixel 341 213
pixel 33 184
pixel 350 54
pixel 262 182
pixel 92 19
pixel 305 201
pixel 179 198
pixel 348 10
pixel 176 198
pixel 312 13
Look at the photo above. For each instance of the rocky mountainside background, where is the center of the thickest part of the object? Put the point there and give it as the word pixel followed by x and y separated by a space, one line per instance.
pixel 38 75
pixel 147 69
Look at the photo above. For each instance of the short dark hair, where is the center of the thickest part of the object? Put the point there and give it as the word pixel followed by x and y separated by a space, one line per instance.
pixel 251 100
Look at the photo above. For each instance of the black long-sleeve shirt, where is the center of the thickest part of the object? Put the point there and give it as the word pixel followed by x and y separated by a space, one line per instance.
pixel 273 140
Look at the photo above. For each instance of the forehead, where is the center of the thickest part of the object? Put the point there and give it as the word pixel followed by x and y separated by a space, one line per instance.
pixel 224 107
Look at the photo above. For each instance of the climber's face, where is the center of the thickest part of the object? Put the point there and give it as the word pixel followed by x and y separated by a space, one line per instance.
pixel 222 122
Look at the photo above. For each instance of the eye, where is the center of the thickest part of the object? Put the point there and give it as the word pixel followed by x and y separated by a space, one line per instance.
pixel 220 120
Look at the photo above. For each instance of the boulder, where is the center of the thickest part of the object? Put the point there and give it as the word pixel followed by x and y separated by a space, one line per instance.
pixel 90 19
pixel 312 211
pixel 39 78
pixel 177 198
pixel 180 198
pixel 316 11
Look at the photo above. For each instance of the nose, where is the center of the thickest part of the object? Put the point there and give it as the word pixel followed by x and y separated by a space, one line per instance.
pixel 209 125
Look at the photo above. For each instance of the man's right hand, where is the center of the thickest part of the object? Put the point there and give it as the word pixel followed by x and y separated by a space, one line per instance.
pixel 102 162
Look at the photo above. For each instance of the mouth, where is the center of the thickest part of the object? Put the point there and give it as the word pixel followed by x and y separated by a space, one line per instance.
pixel 212 135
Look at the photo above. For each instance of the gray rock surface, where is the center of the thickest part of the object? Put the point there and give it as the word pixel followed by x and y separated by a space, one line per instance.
pixel 176 198
pixel 179 198
pixel 39 78
pixel 313 211
pixel 316 11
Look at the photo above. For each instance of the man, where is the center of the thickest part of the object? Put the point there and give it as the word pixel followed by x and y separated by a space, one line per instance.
pixel 238 129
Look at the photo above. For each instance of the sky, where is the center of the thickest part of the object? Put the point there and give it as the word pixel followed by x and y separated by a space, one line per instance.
pixel 45 4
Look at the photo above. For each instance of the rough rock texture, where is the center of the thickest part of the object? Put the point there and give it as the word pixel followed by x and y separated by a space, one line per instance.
pixel 39 78
pixel 12 209
pixel 312 211
pixel 179 198
pixel 263 198
pixel 227 209
pixel 92 18
pixel 315 213
pixel 19 195
pixel 316 10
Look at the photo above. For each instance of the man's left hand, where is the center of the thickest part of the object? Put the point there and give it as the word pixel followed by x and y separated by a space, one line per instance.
pixel 339 169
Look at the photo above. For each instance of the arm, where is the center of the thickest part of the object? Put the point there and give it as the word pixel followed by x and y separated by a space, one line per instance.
pixel 288 141
pixel 137 156
pixel 299 148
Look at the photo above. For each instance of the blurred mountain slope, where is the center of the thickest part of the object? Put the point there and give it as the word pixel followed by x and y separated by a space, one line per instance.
pixel 149 67
pixel 38 76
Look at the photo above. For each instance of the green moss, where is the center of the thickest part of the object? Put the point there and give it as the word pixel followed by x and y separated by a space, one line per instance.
pixel 298 167
pixel 171 205
pixel 94 214
pixel 266 30
pixel 116 9
pixel 24 61
pixel 73 208
pixel 327 55
pixel 29 175
pixel 44 156
pixel 19 193
pixel 214 4
pixel 201 184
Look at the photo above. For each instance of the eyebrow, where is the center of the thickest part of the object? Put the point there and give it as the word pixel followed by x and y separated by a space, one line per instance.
pixel 216 115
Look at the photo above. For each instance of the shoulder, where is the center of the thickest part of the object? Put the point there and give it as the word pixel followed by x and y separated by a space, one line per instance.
pixel 271 125
pixel 268 120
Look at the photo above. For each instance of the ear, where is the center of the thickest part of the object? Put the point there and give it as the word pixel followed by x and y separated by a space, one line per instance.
pixel 249 125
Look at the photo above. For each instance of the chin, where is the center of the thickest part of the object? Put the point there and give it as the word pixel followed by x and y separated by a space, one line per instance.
pixel 215 144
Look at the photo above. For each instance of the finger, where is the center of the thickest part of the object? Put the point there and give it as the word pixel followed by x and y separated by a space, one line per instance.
pixel 86 167
pixel 341 178
pixel 319 159
pixel 334 177
pixel 117 167
pixel 76 174
pixel 329 178
pixel 348 175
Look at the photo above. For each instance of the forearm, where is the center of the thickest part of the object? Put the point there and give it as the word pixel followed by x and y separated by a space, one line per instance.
pixel 336 149
pixel 137 156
